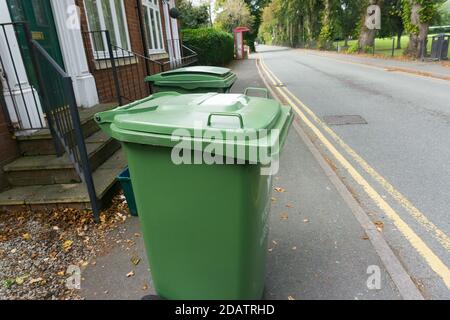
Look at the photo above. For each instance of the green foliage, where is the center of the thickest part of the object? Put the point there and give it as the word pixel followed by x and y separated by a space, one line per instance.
pixel 235 13
pixel 444 14
pixel 193 16
pixel 325 36
pixel 354 47
pixel 427 13
pixel 214 47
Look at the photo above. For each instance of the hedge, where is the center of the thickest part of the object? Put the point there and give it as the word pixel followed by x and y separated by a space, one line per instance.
pixel 214 47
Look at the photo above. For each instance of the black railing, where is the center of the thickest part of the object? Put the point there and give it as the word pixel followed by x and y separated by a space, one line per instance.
pixel 124 70
pixel 20 97
pixel 59 102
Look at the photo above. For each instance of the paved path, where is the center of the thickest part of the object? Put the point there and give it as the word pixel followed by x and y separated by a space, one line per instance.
pixel 317 249
pixel 402 153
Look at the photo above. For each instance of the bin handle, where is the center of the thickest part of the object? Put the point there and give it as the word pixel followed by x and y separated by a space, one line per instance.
pixel 264 90
pixel 226 114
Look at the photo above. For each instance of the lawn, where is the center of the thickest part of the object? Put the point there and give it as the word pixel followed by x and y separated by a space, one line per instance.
pixel 384 45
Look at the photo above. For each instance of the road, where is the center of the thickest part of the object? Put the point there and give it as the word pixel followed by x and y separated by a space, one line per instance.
pixel 396 163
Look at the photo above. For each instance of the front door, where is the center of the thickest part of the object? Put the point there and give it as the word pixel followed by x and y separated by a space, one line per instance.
pixel 39 16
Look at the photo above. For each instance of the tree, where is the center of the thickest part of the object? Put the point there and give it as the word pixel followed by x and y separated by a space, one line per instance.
pixel 391 20
pixel 191 16
pixel 444 14
pixel 366 35
pixel 417 16
pixel 349 14
pixel 234 13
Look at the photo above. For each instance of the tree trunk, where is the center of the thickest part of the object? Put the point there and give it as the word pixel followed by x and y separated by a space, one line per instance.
pixel 417 40
pixel 366 35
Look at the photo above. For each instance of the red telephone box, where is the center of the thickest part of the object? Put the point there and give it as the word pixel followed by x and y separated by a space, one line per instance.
pixel 239 41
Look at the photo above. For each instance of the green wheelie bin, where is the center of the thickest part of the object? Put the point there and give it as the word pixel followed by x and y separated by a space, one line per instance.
pixel 201 168
pixel 199 79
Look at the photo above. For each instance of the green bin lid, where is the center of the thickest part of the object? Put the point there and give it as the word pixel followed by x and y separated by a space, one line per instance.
pixel 198 117
pixel 195 77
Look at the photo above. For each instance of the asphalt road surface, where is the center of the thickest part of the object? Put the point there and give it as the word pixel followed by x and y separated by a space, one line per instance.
pixel 395 161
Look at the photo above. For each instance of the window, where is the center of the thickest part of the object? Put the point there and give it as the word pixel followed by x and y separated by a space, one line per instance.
pixel 107 15
pixel 152 18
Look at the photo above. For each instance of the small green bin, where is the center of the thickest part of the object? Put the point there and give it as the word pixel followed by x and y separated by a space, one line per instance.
pixel 199 79
pixel 125 182
pixel 202 188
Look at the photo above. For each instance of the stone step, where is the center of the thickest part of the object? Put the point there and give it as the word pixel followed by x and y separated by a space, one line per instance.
pixel 41 142
pixel 49 169
pixel 66 195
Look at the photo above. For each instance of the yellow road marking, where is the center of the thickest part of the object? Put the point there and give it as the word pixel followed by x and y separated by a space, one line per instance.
pixel 438 234
pixel 421 247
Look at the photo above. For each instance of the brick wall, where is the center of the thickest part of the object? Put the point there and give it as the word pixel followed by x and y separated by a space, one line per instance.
pixel 131 70
pixel 8 146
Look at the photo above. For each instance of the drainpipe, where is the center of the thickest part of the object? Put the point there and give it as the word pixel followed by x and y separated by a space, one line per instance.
pixel 140 13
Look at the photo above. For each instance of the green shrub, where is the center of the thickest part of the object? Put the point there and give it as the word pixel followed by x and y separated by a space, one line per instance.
pixel 214 47
pixel 354 48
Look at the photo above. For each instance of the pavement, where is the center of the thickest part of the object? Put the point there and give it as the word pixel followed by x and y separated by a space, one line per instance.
pixel 439 70
pixel 395 161
pixel 319 248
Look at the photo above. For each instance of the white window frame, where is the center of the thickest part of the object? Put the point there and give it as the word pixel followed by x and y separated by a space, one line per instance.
pixel 154 5
pixel 101 18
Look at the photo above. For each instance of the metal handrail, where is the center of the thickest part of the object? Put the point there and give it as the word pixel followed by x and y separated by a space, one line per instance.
pixel 64 120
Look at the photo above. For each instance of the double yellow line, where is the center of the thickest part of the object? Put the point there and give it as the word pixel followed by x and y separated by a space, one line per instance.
pixel 416 242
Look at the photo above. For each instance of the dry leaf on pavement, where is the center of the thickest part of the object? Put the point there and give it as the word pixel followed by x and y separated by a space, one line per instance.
pixel 135 260
pixel 291 298
pixel 284 216
pixel 67 245
pixel 130 274
pixel 280 190
pixel 379 225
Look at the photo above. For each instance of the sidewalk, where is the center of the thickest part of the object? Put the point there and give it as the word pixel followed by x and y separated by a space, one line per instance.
pixel 317 249
pixel 430 69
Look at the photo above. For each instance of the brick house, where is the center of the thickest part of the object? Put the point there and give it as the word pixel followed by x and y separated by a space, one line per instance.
pixel 105 48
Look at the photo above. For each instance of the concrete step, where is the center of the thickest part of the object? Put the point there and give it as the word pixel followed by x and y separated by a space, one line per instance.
pixel 48 169
pixel 41 142
pixel 72 195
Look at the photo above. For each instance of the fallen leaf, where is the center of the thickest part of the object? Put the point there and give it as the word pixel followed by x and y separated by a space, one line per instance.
pixel 291 298
pixel 13 250
pixel 20 280
pixel 61 273
pixel 379 225
pixel 274 242
pixel 274 199
pixel 130 274
pixel 365 237
pixel 26 236
pixel 280 190
pixel 284 216
pixel 7 283
pixel 289 206
pixel 306 221
pixel 270 249
pixel 145 287
pixel 33 281
pixel 67 245
pixel 294 248
pixel 135 260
